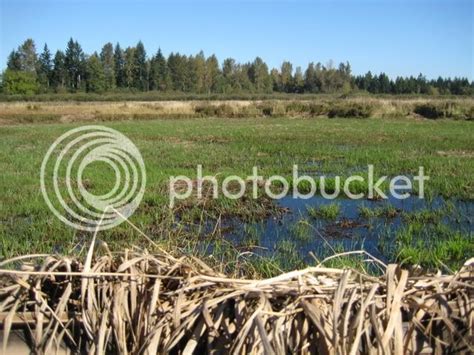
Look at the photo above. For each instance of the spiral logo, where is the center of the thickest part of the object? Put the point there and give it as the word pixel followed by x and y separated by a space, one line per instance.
pixel 64 188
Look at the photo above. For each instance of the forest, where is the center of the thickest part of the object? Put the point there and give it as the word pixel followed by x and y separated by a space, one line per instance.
pixel 115 69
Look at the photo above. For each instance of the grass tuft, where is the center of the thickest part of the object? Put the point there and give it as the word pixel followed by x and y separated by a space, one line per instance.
pixel 330 211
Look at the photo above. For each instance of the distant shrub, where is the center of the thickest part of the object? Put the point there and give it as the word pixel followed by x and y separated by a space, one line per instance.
pixel 448 109
pixel 470 114
pixel 307 108
pixel 205 110
pixel 271 108
pixel 19 82
pixel 224 110
pixel 249 111
pixel 319 109
pixel 209 110
pixel 297 107
pixel 33 107
pixel 351 109
pixel 267 110
pixel 429 110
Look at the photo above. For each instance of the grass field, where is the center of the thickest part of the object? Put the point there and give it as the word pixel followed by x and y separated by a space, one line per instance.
pixel 229 146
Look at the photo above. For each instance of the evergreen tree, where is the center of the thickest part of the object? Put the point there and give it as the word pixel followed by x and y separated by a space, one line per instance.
pixel 422 87
pixel 129 67
pixel 14 61
pixel 108 63
pixel 153 79
pixel 177 66
pixel 59 74
pixel 140 73
pixel 96 79
pixel 45 68
pixel 75 65
pixel 159 77
pixel 384 84
pixel 119 66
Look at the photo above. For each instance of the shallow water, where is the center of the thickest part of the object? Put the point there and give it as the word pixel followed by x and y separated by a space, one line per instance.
pixel 349 231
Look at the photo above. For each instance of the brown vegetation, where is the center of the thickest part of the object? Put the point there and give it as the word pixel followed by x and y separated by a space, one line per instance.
pixel 359 107
pixel 136 302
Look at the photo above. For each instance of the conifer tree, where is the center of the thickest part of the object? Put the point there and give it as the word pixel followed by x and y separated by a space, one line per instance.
pixel 14 61
pixel 59 74
pixel 140 73
pixel 45 68
pixel 131 69
pixel 159 76
pixel 129 66
pixel 95 75
pixel 75 65
pixel 108 63
pixel 177 65
pixel 119 66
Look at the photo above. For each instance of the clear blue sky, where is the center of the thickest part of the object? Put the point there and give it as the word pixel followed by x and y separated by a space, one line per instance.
pixel 399 37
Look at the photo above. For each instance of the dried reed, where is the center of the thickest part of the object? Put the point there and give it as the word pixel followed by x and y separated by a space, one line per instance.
pixel 136 302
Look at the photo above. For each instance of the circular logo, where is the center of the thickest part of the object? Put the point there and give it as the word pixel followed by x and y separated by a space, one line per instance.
pixel 62 177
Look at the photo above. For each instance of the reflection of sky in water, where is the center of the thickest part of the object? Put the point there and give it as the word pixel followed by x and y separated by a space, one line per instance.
pixel 365 234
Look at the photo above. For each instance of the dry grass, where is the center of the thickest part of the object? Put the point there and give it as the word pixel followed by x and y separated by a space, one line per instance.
pixel 90 111
pixel 139 303
pixel 65 112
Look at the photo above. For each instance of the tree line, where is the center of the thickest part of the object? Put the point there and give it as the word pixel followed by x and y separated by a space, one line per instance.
pixel 115 68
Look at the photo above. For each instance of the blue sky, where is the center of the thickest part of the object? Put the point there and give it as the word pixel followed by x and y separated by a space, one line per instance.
pixel 399 37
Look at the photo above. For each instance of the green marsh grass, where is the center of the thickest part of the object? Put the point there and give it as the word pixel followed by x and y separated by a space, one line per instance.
pixel 172 147
pixel 330 211
pixel 433 246
pixel 302 230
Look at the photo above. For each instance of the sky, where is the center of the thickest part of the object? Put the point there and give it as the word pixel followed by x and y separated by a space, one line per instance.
pixel 398 37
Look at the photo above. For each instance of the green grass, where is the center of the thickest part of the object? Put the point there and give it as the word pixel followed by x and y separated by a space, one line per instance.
pixel 251 237
pixel 367 212
pixel 330 211
pixel 424 216
pixel 302 230
pixel 432 246
pixel 227 147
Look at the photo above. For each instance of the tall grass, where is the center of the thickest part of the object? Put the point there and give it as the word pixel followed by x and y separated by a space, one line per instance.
pixel 358 107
